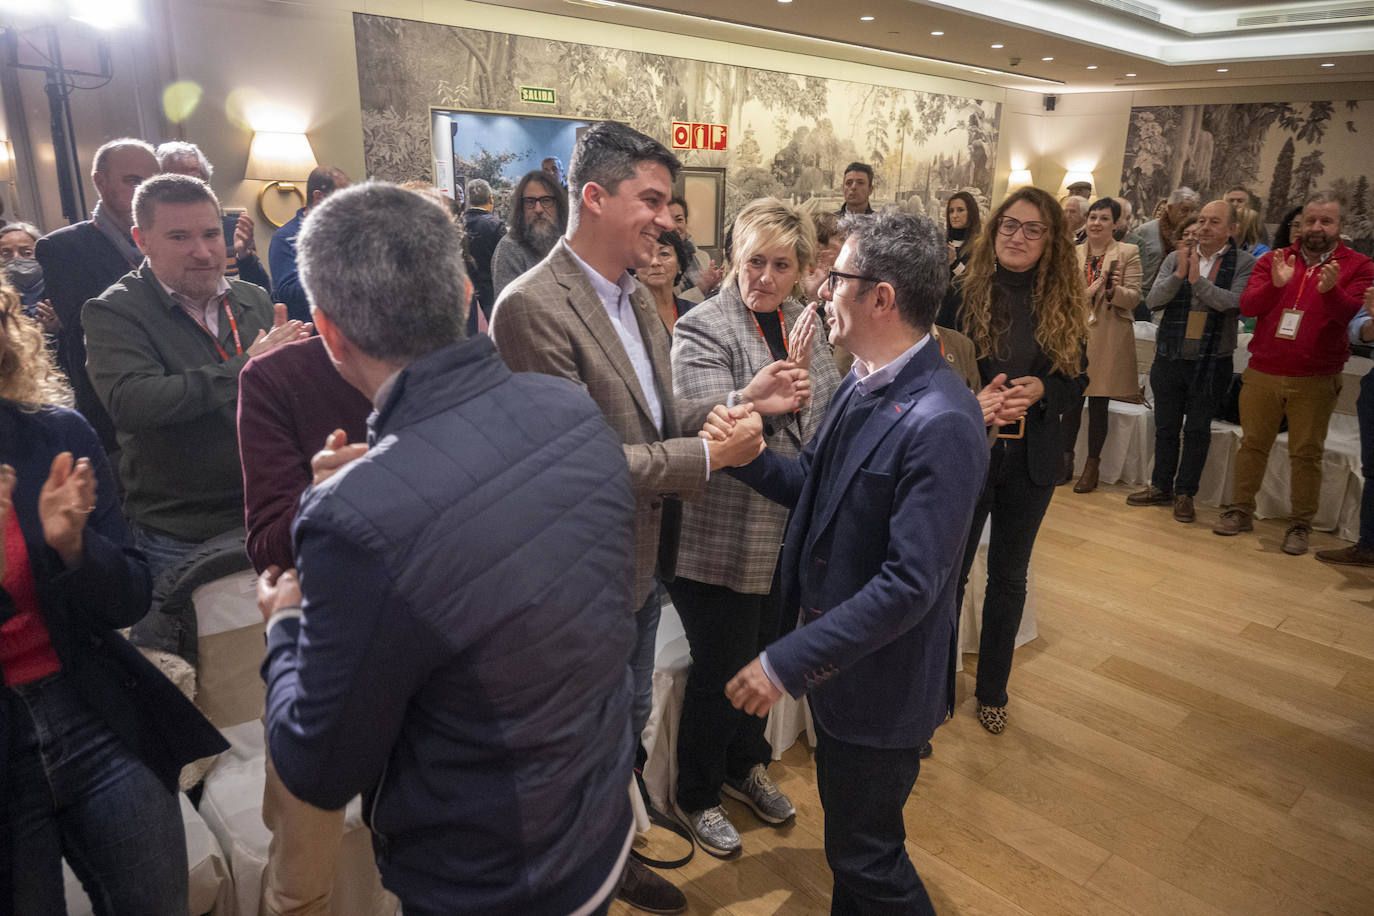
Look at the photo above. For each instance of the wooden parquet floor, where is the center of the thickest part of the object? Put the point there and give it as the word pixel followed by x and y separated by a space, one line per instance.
pixel 1191 733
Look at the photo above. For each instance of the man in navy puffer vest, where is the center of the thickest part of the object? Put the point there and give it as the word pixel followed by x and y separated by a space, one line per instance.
pixel 456 645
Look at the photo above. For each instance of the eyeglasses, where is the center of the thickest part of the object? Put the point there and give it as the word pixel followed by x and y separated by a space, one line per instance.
pixel 547 202
pixel 1008 225
pixel 835 276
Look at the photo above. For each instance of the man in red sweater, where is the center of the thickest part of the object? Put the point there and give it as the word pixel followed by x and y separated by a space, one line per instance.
pixel 290 401
pixel 1303 298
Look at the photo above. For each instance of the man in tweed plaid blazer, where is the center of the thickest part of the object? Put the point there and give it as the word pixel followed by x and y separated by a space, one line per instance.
pixel 580 315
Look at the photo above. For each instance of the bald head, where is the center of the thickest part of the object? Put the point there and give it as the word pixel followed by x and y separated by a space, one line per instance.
pixel 1216 222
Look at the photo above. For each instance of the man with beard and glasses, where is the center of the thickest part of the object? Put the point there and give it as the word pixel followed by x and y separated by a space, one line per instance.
pixel 538 216
pixel 1304 297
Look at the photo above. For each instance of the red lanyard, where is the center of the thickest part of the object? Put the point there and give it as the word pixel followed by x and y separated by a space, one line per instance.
pixel 782 323
pixel 233 326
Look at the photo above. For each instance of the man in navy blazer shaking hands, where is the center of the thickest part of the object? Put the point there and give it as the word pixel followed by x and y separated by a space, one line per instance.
pixel 882 496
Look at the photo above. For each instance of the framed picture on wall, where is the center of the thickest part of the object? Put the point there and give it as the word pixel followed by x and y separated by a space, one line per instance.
pixel 704 191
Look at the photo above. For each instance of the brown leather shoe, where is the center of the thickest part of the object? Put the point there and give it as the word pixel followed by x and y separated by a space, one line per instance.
pixel 1183 509
pixel 1295 539
pixel 1150 496
pixel 646 890
pixel 1354 555
pixel 1088 482
pixel 1232 522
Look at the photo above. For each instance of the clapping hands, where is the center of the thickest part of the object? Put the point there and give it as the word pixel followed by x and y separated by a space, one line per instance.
pixel 1004 403
pixel 801 338
pixel 1282 268
pixel 64 503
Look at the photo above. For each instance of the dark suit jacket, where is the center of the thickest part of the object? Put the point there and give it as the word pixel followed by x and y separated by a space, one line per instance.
pixel 873 560
pixel 484 231
pixel 550 320
pixel 79 263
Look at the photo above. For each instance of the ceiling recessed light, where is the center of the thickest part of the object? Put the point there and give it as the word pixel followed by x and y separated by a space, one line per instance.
pixel 865 18
pixel 1223 70
pixel 1092 66
pixel 1130 74
pixel 1047 58
pixel 1328 65
pixel 999 45
pixel 937 34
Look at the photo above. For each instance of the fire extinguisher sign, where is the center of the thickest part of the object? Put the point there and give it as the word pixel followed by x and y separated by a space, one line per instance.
pixel 690 135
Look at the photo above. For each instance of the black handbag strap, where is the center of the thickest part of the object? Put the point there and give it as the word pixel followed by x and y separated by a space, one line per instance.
pixel 659 819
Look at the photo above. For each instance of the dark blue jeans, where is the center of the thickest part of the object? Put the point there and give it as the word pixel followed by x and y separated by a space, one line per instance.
pixel 642 660
pixel 1364 410
pixel 1017 506
pixel 863 791
pixel 73 789
pixel 1186 393
pixel 163 551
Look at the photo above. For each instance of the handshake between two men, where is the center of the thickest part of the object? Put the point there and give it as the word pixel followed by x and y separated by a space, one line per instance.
pixel 734 431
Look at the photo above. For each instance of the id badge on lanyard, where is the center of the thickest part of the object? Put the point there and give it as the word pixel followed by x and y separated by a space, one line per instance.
pixel 1292 318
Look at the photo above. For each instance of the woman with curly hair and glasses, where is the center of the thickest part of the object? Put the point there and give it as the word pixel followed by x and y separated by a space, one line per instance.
pixel 1023 305
pixel 92 736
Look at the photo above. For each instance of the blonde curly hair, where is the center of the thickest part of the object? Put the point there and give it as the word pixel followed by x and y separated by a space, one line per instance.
pixel 1059 301
pixel 28 375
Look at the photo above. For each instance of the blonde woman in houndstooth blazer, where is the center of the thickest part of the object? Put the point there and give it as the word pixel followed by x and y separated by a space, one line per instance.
pixel 726 592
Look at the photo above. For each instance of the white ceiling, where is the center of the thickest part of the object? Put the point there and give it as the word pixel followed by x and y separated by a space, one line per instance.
pixel 1095 44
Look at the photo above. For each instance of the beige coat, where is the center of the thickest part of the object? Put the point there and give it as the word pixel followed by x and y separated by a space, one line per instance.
pixel 1112 370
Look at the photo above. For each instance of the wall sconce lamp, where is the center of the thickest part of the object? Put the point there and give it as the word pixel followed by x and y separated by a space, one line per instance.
pixel 1019 178
pixel 281 160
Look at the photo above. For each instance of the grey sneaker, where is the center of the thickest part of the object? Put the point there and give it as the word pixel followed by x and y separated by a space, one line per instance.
pixel 712 830
pixel 761 794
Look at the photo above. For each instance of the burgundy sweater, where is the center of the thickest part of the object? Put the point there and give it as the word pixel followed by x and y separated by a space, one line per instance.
pixel 290 400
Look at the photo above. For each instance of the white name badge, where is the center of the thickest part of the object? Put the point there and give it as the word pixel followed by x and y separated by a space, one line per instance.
pixel 1288 324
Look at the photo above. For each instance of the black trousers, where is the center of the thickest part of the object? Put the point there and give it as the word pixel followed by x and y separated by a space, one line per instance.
pixel 863 791
pixel 1187 393
pixel 725 629
pixel 1017 506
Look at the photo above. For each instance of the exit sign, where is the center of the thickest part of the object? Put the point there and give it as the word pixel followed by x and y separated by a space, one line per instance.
pixel 698 136
pixel 538 96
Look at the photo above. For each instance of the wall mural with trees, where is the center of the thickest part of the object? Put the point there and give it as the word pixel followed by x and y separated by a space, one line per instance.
pixel 789 135
pixel 1281 151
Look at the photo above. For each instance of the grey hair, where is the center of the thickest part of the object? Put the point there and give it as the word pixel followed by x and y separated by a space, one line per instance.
pixel 1322 197
pixel 1179 195
pixel 181 149
pixel 386 266
pixel 908 252
pixel 1127 207
pixel 478 193
pixel 28 229
pixel 1080 202
pixel 101 161
pixel 608 153
pixel 170 188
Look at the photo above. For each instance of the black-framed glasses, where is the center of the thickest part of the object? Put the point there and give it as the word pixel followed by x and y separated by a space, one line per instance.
pixel 836 275
pixel 547 202
pixel 1032 230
